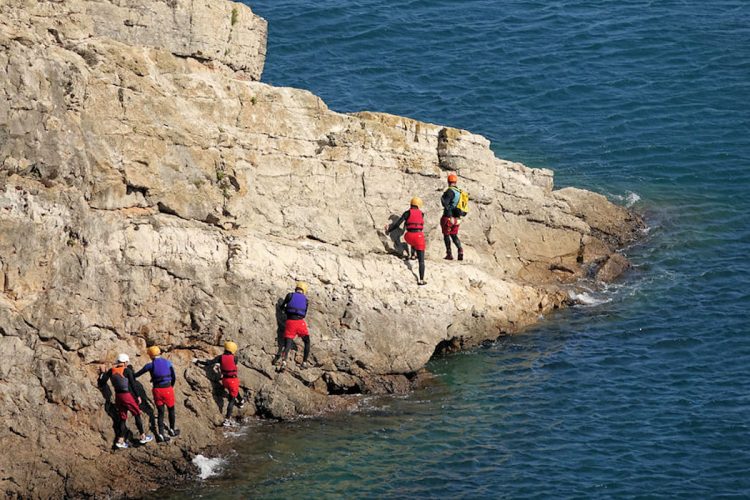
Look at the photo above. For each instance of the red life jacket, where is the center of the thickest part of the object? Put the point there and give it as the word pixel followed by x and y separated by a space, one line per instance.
pixel 228 366
pixel 415 221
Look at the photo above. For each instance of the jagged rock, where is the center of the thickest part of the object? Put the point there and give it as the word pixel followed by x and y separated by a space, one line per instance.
pixel 150 192
pixel 614 266
pixel 593 250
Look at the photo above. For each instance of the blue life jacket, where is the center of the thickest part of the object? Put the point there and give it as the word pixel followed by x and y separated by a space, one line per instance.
pixel 161 372
pixel 297 305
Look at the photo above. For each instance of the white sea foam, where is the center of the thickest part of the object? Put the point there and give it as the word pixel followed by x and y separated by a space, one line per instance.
pixel 586 299
pixel 235 433
pixel 631 199
pixel 208 466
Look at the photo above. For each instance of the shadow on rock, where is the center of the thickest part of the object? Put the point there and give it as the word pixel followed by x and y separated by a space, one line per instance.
pixel 217 389
pixel 111 409
pixel 399 247
pixel 146 407
pixel 280 319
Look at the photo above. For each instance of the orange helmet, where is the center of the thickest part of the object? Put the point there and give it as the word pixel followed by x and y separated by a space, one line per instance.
pixel 416 202
pixel 452 178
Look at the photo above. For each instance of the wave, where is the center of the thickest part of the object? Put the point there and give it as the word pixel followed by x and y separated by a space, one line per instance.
pixel 629 199
pixel 208 467
pixel 587 299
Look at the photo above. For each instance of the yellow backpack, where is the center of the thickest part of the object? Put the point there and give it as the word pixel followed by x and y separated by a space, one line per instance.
pixel 462 205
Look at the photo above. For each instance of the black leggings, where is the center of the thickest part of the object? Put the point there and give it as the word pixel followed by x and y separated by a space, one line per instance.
pixel 124 428
pixel 160 409
pixel 420 257
pixel 288 343
pixel 447 239
pixel 230 406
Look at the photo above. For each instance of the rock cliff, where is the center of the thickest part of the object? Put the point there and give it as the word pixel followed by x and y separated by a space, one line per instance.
pixel 152 190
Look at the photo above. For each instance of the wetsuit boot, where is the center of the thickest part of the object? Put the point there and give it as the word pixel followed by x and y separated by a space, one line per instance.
pixel 460 254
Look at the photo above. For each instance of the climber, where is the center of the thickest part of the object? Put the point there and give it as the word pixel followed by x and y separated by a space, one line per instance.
pixel 126 399
pixel 229 379
pixel 295 307
pixel 414 236
pixel 162 380
pixel 451 219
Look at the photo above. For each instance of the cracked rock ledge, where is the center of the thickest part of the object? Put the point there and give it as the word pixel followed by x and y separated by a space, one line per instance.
pixel 152 190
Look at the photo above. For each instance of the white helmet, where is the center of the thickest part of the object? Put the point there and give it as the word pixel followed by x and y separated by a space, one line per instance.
pixel 123 358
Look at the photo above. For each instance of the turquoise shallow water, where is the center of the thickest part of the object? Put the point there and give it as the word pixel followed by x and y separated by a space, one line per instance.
pixel 645 394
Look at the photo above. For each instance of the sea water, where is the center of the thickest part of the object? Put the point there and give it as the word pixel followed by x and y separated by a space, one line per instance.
pixel 644 390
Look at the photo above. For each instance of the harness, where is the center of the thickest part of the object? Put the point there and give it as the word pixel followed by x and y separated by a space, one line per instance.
pixel 161 372
pixel 228 366
pixel 119 380
pixel 297 305
pixel 415 221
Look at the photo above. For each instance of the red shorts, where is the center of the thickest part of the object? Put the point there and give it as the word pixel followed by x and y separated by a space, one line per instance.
pixel 232 385
pixel 446 224
pixel 164 396
pixel 124 402
pixel 415 240
pixel 295 328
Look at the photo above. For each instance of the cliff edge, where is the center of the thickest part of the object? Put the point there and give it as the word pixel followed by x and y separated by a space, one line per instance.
pixel 152 190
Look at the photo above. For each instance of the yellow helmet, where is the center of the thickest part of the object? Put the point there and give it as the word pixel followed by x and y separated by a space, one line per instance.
pixel 301 286
pixel 416 202
pixel 153 351
pixel 230 346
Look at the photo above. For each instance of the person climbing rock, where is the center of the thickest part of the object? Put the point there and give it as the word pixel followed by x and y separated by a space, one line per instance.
pixel 229 379
pixel 414 236
pixel 126 398
pixel 162 379
pixel 453 200
pixel 294 307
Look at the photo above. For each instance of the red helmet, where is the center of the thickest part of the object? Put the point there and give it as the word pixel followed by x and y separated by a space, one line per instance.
pixel 452 178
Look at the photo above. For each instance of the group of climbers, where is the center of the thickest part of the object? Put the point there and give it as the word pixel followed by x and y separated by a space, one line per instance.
pixel 163 375
pixel 455 206
pixel 295 305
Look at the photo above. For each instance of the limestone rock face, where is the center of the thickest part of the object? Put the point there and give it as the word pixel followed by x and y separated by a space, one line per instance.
pixel 152 192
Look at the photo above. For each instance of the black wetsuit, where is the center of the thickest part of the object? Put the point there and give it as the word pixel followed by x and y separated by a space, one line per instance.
pixel 418 253
pixel 449 207
pixel 121 429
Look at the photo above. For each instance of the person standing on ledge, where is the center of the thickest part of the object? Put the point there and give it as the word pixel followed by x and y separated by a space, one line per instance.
pixel 454 202
pixel 126 399
pixel 414 236
pixel 162 380
pixel 229 379
pixel 295 308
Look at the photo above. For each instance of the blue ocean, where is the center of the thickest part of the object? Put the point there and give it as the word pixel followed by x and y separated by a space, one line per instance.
pixel 645 390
